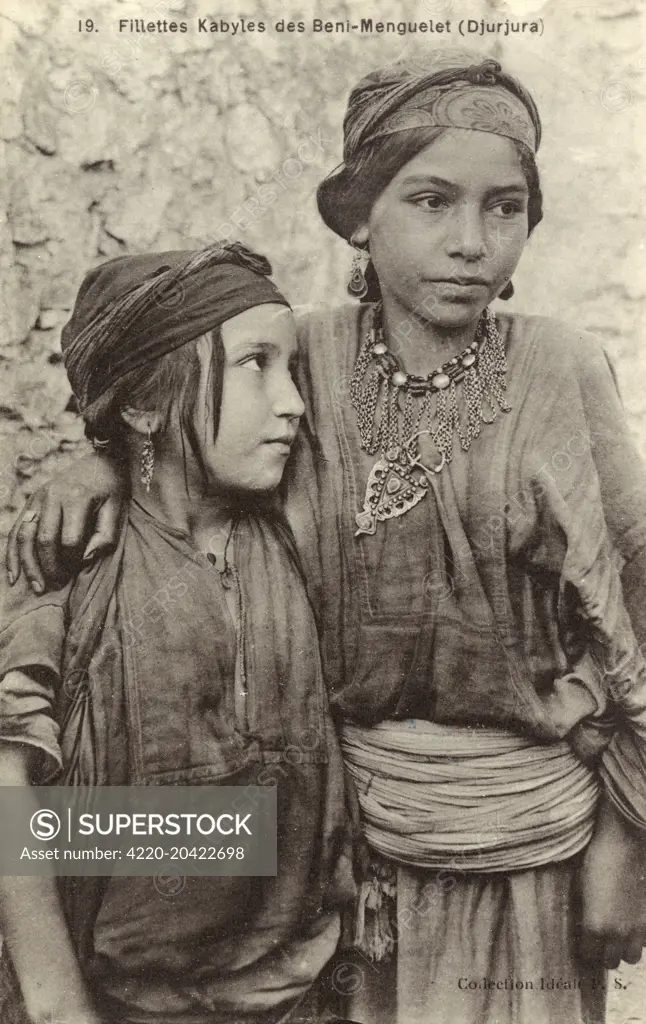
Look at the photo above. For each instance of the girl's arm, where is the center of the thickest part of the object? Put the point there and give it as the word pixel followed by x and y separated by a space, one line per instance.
pixel 79 507
pixel 613 891
pixel 34 927
pixel 597 498
pixel 622 473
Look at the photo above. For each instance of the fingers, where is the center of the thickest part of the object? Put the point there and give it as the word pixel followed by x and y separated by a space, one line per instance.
pixel 612 955
pixel 26 537
pixel 591 947
pixel 632 952
pixel 106 528
pixel 77 516
pixel 12 563
pixel 48 538
pixel 601 952
pixel 608 951
pixel 29 512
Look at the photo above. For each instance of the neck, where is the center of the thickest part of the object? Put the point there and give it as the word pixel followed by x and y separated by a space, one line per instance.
pixel 178 501
pixel 420 345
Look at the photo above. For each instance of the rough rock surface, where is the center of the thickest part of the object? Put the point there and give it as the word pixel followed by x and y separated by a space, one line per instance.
pixel 113 143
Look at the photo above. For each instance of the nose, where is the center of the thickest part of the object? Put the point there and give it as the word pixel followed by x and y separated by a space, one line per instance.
pixel 287 400
pixel 467 236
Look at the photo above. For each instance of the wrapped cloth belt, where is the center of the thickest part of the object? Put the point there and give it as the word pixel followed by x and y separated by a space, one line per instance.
pixel 486 800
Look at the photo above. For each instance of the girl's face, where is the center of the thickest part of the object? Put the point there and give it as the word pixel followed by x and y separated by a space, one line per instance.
pixel 260 407
pixel 447 232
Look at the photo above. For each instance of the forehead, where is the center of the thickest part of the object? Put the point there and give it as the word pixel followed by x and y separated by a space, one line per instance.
pixel 466 158
pixel 269 322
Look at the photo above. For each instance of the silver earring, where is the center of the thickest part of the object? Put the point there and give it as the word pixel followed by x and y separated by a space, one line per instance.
pixel 147 462
pixel 357 284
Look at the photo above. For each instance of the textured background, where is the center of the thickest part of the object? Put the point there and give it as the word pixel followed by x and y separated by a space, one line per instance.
pixel 112 143
pixel 115 143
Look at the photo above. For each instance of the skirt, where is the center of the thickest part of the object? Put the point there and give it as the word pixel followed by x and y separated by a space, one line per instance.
pixel 477 949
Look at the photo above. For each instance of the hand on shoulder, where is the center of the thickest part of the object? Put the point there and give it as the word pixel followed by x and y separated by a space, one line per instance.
pixel 66 521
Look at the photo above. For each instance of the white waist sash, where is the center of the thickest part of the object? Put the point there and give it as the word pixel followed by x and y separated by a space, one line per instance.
pixel 439 796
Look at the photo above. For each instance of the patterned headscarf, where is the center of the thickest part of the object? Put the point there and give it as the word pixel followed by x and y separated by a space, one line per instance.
pixel 134 309
pixel 443 89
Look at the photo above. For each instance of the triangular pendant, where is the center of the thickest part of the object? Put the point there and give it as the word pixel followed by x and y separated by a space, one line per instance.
pixel 394 487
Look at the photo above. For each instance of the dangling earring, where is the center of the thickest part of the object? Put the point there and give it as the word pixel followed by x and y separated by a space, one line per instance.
pixel 357 284
pixel 147 462
pixel 507 292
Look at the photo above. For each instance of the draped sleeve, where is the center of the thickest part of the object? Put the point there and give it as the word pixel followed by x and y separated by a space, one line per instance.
pixel 32 636
pixel 589 522
pixel 622 474
pixel 622 478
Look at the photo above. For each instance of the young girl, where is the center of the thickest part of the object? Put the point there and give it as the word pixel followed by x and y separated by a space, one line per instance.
pixel 466 515
pixel 199 655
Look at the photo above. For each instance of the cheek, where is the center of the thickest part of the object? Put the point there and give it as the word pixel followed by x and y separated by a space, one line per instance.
pixel 240 414
pixel 397 227
pixel 399 244
pixel 508 242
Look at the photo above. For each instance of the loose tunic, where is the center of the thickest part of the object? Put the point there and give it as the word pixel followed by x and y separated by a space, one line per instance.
pixel 495 600
pixel 148 633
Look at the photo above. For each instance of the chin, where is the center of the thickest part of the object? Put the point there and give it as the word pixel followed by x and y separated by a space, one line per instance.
pixel 455 314
pixel 266 485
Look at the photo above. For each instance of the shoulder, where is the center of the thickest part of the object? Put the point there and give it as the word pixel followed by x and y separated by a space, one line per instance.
pixel 334 326
pixel 555 348
pixel 312 319
pixel 329 338
pixel 553 338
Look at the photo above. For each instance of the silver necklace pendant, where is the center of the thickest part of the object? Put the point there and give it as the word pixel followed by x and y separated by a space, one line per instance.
pixel 396 484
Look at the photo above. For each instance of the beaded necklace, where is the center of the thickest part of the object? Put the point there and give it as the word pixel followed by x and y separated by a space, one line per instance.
pixel 407 406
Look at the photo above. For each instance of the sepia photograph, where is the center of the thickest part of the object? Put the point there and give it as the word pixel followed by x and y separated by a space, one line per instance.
pixel 322 512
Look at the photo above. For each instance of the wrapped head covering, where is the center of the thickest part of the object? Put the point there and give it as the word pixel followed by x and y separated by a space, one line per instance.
pixel 134 309
pixel 443 89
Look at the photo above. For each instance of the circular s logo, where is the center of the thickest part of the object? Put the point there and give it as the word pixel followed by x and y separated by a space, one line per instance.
pixel 168 884
pixel 45 824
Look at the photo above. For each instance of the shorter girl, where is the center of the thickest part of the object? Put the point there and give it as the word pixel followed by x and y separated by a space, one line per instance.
pixel 187 656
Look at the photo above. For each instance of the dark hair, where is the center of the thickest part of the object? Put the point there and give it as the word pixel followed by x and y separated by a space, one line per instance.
pixel 173 379
pixel 346 197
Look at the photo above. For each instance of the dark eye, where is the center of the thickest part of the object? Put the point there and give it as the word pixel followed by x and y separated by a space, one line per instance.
pixel 257 361
pixel 510 207
pixel 431 202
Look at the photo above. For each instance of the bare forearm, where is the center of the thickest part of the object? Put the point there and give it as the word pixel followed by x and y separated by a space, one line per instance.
pixel 34 927
pixel 41 951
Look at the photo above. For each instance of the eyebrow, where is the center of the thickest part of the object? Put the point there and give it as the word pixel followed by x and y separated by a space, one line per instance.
pixel 254 343
pixel 450 186
pixel 266 347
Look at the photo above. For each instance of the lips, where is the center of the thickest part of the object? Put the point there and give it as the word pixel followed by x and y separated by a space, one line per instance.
pixel 288 439
pixel 467 282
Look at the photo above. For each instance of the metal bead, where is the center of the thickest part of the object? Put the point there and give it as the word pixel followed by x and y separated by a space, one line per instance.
pixel 380 349
pixel 399 379
pixel 440 381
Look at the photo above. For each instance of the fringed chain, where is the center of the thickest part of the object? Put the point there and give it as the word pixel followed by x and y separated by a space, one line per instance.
pixel 394 408
pixel 408 403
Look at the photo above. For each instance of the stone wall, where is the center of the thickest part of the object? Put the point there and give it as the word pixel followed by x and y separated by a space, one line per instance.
pixel 115 143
